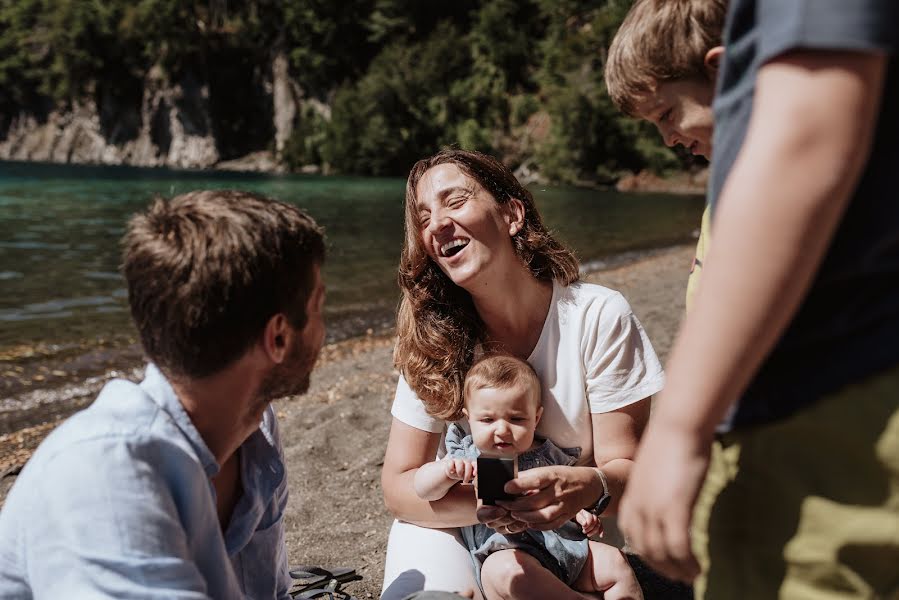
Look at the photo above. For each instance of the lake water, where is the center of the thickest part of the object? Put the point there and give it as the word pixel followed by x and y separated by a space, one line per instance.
pixel 60 228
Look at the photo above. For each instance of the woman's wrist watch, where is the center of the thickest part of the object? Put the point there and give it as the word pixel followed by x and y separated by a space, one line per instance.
pixel 605 499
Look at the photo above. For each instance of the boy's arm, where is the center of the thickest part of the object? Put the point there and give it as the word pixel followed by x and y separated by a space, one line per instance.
pixel 807 143
pixel 434 479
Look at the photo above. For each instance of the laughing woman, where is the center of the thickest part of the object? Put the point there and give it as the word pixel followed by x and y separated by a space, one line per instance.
pixel 480 271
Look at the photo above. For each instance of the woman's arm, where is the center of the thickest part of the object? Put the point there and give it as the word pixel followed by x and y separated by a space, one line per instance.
pixel 556 494
pixel 408 449
pixel 616 435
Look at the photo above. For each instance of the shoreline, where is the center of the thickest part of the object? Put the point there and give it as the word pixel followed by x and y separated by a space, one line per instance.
pixel 46 382
pixel 335 436
pixel 678 182
pixel 33 405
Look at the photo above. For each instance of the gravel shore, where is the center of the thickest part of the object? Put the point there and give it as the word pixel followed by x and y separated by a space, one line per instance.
pixel 334 436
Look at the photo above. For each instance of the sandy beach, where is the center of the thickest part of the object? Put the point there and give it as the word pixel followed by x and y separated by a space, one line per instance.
pixel 334 436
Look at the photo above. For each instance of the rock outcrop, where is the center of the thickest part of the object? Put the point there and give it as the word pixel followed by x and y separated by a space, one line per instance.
pixel 682 183
pixel 164 124
pixel 284 101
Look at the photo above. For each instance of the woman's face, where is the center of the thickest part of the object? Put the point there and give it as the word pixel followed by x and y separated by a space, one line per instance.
pixel 463 228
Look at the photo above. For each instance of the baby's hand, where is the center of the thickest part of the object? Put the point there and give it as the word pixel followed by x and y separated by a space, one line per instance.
pixel 590 524
pixel 460 468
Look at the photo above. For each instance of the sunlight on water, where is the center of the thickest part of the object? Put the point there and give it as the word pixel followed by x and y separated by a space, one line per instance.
pixel 60 228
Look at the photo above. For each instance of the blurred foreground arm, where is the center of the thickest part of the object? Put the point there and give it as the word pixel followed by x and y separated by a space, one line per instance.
pixel 808 140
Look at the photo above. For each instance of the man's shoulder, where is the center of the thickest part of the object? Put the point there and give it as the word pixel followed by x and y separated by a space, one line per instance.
pixel 120 409
pixel 122 423
pixel 117 450
pixel 113 489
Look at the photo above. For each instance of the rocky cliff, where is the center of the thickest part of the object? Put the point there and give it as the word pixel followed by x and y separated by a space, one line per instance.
pixel 196 122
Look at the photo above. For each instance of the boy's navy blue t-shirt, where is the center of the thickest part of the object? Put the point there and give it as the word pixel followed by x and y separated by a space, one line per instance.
pixel 847 328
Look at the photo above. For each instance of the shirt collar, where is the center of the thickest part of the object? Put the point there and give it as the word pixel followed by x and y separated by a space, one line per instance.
pixel 160 390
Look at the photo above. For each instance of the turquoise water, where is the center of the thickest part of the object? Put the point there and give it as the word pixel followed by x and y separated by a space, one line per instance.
pixel 60 228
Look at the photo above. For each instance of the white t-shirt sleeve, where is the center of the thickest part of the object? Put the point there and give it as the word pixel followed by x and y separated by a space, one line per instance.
pixel 408 408
pixel 620 363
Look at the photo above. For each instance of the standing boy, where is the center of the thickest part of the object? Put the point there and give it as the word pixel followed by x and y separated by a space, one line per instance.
pixel 175 487
pixel 662 67
pixel 790 349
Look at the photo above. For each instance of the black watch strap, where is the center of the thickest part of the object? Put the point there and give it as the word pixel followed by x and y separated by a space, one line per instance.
pixel 603 503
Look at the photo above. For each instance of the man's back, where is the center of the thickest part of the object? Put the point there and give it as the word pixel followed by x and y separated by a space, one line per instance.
pixel 117 502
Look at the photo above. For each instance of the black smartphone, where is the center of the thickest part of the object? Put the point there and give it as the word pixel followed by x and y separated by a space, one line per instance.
pixel 493 473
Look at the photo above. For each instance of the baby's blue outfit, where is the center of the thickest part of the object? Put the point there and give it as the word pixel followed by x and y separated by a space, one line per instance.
pixel 563 551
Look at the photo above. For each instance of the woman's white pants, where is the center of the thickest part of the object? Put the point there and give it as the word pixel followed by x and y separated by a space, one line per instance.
pixel 419 558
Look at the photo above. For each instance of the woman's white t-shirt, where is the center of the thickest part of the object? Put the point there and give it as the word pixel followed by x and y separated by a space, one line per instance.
pixel 592 357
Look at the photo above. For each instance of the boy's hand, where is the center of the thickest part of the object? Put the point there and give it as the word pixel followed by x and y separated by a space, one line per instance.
pixel 590 524
pixel 658 503
pixel 460 468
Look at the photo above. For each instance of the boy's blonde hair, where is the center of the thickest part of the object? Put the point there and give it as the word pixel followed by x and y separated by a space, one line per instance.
pixel 501 371
pixel 659 41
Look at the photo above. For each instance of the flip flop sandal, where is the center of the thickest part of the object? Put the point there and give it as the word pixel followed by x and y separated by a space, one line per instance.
pixel 324 594
pixel 309 575
pixel 316 579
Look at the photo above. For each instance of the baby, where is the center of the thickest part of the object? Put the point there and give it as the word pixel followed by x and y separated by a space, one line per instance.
pixel 503 406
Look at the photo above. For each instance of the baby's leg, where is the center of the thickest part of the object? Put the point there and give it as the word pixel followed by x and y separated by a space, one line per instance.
pixel 516 575
pixel 608 571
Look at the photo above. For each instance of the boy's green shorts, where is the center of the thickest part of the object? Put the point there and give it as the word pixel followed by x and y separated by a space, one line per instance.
pixel 808 507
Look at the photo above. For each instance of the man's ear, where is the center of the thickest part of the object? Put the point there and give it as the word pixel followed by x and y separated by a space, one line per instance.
pixel 515 215
pixel 712 61
pixel 277 337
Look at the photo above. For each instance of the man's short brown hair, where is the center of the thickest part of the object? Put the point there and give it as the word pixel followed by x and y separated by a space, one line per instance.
pixel 501 371
pixel 206 271
pixel 659 41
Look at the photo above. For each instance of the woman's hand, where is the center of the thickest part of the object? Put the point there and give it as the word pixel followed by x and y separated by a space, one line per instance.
pixel 499 519
pixel 551 496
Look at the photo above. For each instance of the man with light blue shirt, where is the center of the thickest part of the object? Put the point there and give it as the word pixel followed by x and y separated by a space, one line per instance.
pixel 175 487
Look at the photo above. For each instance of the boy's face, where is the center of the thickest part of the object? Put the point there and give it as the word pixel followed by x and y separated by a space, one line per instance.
pixel 682 112
pixel 503 420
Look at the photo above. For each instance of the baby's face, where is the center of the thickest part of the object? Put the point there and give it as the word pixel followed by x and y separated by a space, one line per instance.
pixel 503 420
pixel 682 112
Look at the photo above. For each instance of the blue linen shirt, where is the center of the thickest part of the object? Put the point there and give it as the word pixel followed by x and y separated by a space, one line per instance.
pixel 117 503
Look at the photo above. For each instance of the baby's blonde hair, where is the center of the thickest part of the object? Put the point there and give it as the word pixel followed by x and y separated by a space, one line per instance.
pixel 501 371
pixel 659 41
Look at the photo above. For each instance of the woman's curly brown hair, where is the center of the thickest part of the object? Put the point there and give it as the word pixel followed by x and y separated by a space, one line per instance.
pixel 438 328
